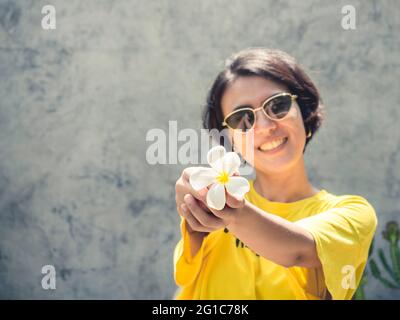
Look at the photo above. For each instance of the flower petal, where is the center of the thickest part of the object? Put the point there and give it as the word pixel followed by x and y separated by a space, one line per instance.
pixel 237 186
pixel 216 197
pixel 202 178
pixel 215 154
pixel 218 165
pixel 231 162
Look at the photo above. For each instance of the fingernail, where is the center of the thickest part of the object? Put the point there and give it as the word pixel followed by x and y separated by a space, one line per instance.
pixel 184 207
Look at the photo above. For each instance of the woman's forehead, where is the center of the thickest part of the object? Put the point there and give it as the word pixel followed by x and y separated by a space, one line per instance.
pixel 250 91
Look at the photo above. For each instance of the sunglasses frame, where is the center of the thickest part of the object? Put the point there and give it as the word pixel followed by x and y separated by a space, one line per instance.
pixel 292 96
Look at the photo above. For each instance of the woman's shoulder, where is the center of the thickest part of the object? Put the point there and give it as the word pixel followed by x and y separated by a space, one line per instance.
pixel 347 200
pixel 355 207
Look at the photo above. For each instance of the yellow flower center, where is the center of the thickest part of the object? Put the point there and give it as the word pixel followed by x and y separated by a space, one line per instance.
pixel 223 177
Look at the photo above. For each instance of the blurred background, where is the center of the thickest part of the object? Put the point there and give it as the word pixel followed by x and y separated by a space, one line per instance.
pixel 76 191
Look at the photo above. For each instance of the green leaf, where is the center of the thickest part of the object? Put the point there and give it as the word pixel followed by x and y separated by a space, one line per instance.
pixel 385 264
pixel 394 258
pixel 374 269
pixel 397 257
pixel 377 274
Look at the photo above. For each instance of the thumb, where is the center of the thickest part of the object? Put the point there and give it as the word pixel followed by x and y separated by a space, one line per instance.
pixel 234 202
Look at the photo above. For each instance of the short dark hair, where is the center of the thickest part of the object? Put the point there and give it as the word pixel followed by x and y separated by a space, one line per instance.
pixel 271 64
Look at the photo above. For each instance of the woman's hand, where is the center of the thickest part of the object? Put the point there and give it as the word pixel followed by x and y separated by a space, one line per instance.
pixel 192 206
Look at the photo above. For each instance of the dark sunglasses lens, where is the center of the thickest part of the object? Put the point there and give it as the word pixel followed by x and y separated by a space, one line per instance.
pixel 241 120
pixel 278 107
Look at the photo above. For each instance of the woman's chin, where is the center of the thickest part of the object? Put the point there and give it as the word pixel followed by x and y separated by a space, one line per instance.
pixel 272 164
pixel 272 168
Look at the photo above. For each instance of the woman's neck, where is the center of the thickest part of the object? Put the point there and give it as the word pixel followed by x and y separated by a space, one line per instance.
pixel 289 186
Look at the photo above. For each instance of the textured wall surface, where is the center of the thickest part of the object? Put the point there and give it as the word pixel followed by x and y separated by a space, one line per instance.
pixel 76 103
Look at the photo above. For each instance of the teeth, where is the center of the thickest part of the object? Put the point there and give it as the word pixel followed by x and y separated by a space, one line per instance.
pixel 272 145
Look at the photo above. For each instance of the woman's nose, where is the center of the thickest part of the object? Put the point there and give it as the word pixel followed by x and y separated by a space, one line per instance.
pixel 263 122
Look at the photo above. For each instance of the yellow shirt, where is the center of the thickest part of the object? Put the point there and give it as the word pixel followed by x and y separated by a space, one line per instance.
pixel 225 268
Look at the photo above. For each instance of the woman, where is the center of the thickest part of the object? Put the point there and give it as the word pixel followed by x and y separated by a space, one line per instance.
pixel 286 239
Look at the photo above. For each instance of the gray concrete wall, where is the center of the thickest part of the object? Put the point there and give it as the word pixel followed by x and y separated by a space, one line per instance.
pixel 76 103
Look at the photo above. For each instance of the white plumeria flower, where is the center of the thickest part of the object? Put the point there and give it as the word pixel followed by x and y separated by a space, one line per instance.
pixel 220 176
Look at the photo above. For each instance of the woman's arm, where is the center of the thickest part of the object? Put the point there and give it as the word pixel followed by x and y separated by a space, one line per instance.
pixel 273 237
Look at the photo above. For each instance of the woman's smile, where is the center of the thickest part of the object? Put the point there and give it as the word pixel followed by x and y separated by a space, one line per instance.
pixel 273 146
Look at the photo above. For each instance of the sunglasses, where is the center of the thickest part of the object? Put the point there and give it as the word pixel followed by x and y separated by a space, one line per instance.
pixel 275 108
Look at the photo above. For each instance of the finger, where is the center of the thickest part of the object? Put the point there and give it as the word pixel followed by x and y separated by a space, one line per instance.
pixel 190 230
pixel 204 207
pixel 206 219
pixel 199 194
pixel 180 211
pixel 224 214
pixel 234 202
pixel 183 187
pixel 199 203
pixel 187 172
pixel 192 221
pixel 186 176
